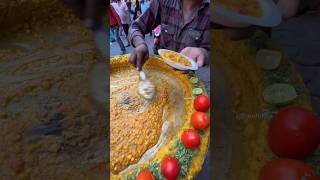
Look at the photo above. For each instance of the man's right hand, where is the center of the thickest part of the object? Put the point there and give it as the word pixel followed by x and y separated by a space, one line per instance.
pixel 139 56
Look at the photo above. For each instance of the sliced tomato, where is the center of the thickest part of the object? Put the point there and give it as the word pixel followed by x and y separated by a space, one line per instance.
pixel 287 169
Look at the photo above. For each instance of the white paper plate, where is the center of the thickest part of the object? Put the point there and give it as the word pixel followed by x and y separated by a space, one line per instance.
pixel 270 18
pixel 194 65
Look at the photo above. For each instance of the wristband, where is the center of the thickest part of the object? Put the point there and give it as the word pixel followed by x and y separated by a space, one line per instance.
pixel 142 42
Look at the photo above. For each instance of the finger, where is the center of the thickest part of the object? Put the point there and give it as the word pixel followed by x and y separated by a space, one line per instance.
pixel 185 51
pixel 133 59
pixel 201 60
pixel 184 71
pixel 140 58
pixel 188 52
pixel 145 59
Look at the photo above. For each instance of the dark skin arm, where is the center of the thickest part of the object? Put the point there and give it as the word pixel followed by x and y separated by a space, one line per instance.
pixel 140 53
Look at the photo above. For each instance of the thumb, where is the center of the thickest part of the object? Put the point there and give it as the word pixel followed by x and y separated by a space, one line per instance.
pixel 133 58
pixel 201 60
pixel 139 63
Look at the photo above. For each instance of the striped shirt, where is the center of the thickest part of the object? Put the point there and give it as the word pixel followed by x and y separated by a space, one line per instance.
pixel 175 34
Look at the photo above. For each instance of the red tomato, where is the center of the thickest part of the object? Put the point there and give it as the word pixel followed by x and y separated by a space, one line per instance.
pixel 190 139
pixel 202 103
pixel 145 175
pixel 200 120
pixel 294 133
pixel 170 168
pixel 287 169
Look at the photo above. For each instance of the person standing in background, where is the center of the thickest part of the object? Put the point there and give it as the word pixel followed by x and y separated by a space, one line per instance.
pixel 137 10
pixel 148 3
pixel 115 24
pixel 128 4
pixel 124 15
pixel 144 6
pixel 132 11
pixel 115 6
pixel 112 38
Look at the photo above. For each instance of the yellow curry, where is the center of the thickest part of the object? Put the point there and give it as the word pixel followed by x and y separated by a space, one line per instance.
pixel 135 124
pixel 175 58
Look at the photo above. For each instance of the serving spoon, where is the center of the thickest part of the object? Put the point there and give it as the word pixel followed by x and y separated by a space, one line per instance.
pixel 146 88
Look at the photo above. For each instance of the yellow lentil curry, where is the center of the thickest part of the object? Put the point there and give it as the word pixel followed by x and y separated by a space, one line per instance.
pixel 175 58
pixel 136 123
pixel 244 7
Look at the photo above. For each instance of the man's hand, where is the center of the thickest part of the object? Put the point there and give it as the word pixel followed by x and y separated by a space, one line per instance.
pixel 200 55
pixel 139 56
pixel 288 8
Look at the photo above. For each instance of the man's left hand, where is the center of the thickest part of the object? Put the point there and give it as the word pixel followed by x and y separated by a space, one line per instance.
pixel 200 55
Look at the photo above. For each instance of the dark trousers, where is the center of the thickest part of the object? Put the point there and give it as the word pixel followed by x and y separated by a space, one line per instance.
pixel 115 30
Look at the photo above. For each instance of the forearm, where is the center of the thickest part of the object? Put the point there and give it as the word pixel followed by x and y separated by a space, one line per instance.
pixel 138 40
pixel 136 37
